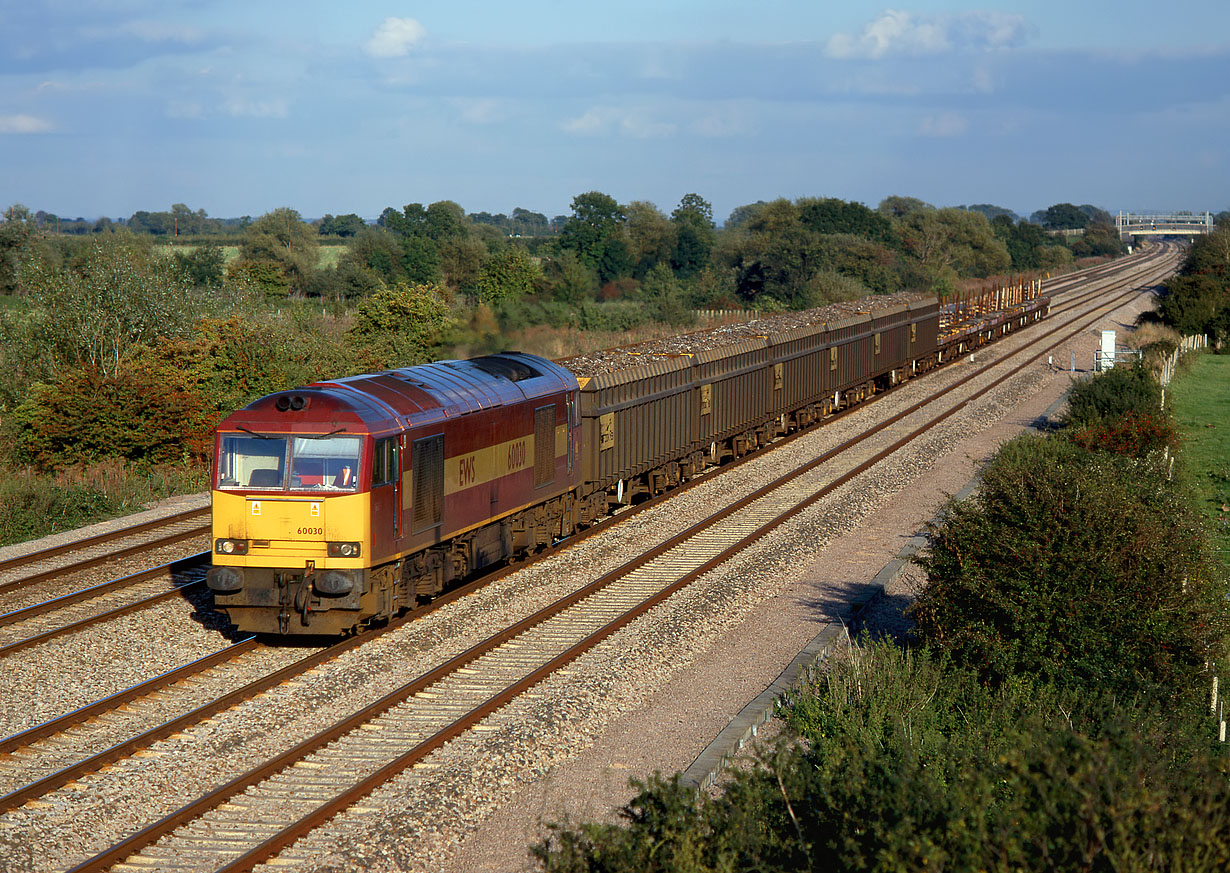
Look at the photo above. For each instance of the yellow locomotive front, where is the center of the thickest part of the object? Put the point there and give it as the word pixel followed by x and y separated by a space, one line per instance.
pixel 291 532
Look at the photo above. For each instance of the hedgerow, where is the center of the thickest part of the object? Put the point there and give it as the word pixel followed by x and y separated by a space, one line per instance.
pixel 902 762
pixel 1077 567
pixel 1112 394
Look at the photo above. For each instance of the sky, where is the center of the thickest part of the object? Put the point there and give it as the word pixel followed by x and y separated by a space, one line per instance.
pixel 238 108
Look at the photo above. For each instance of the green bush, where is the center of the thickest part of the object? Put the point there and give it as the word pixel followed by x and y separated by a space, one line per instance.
pixel 1111 394
pixel 1088 569
pixel 113 295
pixel 614 316
pixel 33 505
pixel 399 326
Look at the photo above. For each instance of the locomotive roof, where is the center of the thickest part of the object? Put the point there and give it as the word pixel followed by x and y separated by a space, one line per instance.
pixel 377 402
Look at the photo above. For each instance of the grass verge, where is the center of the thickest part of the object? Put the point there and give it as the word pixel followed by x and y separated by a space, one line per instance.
pixel 34 505
pixel 1200 401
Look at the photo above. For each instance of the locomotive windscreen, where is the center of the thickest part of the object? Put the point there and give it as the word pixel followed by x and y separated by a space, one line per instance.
pixel 329 463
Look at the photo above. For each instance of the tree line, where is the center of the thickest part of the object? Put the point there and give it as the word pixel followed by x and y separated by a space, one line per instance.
pixel 603 246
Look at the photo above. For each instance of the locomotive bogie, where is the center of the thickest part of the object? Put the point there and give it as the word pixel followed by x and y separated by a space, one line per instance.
pixel 287 602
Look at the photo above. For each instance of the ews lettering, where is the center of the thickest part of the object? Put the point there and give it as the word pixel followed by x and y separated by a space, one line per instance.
pixel 466 475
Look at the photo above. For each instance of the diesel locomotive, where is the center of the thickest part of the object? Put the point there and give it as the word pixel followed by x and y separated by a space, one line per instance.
pixel 347 502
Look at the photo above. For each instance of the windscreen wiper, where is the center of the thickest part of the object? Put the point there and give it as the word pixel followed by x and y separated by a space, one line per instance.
pixel 260 436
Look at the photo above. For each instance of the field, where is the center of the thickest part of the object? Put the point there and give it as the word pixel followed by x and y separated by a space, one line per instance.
pixel 327 256
pixel 1200 401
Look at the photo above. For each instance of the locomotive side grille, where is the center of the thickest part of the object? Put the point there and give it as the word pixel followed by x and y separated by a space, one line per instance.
pixel 428 467
pixel 544 445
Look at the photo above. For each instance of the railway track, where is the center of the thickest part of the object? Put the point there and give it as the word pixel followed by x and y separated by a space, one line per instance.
pixel 517 658
pixel 90 552
pixel 48 593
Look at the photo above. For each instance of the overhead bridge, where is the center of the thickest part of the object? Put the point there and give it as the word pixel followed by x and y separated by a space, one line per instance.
pixel 1177 223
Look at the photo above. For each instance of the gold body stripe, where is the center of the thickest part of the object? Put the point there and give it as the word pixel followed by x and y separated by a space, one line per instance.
pixel 481 467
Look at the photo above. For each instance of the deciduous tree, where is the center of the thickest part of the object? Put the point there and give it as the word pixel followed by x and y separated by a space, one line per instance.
pixel 283 238
pixel 507 275
pixel 596 217
pixel 120 295
pixel 695 235
pixel 399 326
pixel 16 234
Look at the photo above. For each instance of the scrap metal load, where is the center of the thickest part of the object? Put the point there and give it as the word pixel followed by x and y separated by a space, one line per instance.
pixel 654 414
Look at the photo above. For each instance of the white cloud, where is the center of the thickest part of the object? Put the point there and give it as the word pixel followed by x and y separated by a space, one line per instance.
pixel 145 30
pixel 161 31
pixel 723 123
pixel 896 32
pixel 983 83
pixel 592 123
pixel 24 124
pixel 946 124
pixel 240 107
pixel 603 121
pixel 394 38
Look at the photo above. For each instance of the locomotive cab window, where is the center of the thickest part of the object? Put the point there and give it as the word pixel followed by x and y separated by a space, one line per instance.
pixel 384 462
pixel 251 462
pixel 325 463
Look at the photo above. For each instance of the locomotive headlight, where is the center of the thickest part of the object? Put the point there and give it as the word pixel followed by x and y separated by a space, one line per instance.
pixel 343 550
pixel 231 547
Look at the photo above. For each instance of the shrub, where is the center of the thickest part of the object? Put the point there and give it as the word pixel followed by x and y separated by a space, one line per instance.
pixel 203 265
pixel 1134 434
pixel 507 275
pixel 399 326
pixel 268 276
pixel 1088 569
pixel 1111 394
pixel 33 505
pixel 904 764
pixel 614 316
pixel 87 415
pixel 116 295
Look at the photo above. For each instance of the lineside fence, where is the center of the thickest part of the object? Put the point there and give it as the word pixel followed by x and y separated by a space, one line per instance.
pixel 1187 345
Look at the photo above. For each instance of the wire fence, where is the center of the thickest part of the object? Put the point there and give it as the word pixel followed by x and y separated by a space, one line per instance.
pixel 1186 346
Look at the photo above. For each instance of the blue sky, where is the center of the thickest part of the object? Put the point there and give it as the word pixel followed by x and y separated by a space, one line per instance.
pixel 237 108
